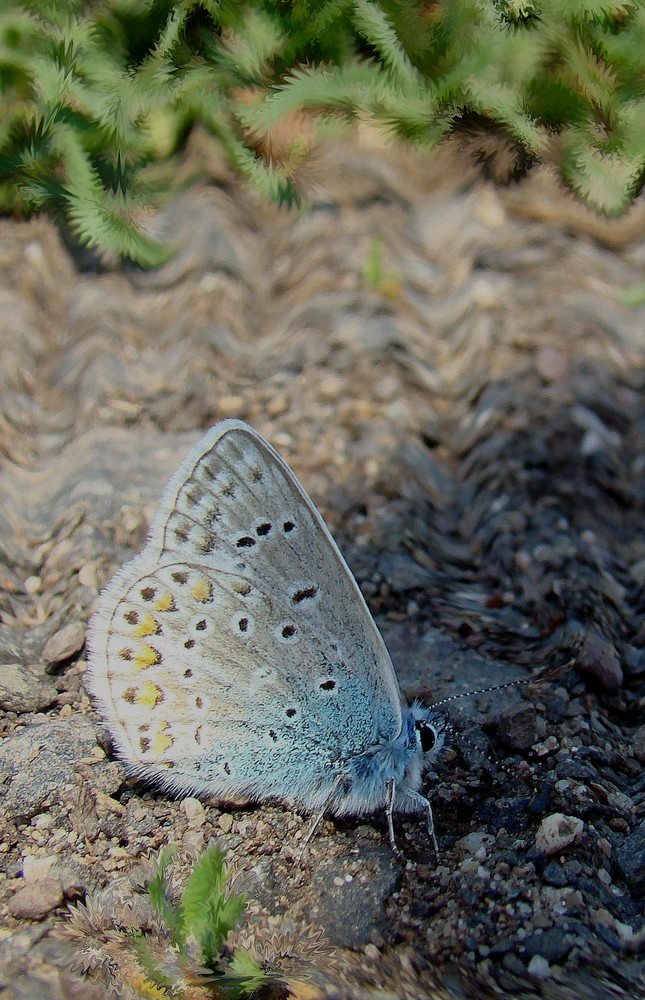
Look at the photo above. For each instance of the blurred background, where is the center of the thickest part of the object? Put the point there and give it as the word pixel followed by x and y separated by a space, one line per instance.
pixel 405 242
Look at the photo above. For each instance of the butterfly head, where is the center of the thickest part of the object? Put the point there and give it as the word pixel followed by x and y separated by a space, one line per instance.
pixel 430 731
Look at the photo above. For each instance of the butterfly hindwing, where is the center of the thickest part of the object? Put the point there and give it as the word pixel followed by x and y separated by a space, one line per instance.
pixel 236 654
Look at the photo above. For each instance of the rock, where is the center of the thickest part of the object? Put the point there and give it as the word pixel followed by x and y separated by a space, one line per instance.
pixel 597 656
pixel 65 643
pixel 36 899
pixel 73 879
pixel 538 968
pixel 508 812
pixel 638 742
pixel 630 858
pixel 516 728
pixel 477 844
pixel 550 944
pixel 225 822
pixel 354 912
pixel 556 832
pixel 37 867
pixel 555 874
pixel 195 812
pixel 38 761
pixel 21 690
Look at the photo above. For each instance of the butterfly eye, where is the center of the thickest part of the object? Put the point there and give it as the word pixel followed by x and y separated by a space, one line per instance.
pixel 427 735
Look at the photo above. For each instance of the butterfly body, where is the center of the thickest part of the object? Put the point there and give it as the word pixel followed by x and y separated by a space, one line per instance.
pixel 235 654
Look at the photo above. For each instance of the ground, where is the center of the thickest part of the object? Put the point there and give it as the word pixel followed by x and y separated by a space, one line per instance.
pixel 453 372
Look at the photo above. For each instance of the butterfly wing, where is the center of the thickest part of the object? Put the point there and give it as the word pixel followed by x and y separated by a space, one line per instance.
pixel 235 654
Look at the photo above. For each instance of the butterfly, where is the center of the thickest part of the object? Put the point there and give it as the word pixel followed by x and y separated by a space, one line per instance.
pixel 235 655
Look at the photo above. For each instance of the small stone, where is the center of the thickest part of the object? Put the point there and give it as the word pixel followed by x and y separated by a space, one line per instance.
pixel 555 874
pixel 33 585
pixel 604 876
pixel 556 832
pixel 39 760
pixel 514 965
pixel 538 968
pixel 231 406
pixel 630 857
pixel 638 742
pixel 106 804
pixel 277 405
pixel 485 293
pixel 193 842
pixel 488 208
pixel 87 575
pixel 73 880
pixel 516 728
pixel 624 931
pixel 21 690
pixel 36 868
pixel 225 822
pixel 356 916
pixel 387 387
pixel 551 944
pixel 331 386
pixel 35 900
pixel 64 643
pixel 597 656
pixel 476 844
pixel 195 813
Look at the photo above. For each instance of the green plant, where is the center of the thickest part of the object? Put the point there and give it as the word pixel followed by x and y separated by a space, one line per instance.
pixel 96 92
pixel 176 929
pixel 376 276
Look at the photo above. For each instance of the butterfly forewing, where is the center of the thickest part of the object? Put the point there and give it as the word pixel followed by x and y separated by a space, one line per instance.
pixel 238 643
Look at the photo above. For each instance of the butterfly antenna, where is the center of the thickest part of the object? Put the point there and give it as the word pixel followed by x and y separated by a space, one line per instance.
pixel 546 673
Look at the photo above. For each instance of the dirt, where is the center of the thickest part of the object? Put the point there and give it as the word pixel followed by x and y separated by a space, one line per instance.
pixel 451 371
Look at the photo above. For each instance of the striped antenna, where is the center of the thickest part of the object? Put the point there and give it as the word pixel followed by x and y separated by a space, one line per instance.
pixel 546 673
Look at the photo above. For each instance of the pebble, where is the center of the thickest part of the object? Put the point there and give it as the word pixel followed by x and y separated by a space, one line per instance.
pixel 36 868
pixel 87 575
pixel 331 387
pixel 517 727
pixel 64 643
pixel 193 842
pixel 39 760
pixel 477 844
pixel 630 857
pixel 277 405
pixel 598 656
pixel 195 813
pixel 556 832
pixel 225 822
pixel 538 968
pixel 35 900
pixel 21 690
pixel 231 406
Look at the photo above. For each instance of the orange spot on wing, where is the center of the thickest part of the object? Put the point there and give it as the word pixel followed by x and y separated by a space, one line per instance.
pixel 165 603
pixel 146 657
pixel 149 694
pixel 148 626
pixel 202 590
pixel 161 741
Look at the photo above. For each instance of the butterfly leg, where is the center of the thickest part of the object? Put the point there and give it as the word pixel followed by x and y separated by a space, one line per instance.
pixel 425 806
pixel 318 817
pixel 389 809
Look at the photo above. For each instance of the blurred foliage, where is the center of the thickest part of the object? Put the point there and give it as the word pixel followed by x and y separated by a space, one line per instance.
pixel 183 928
pixel 95 92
